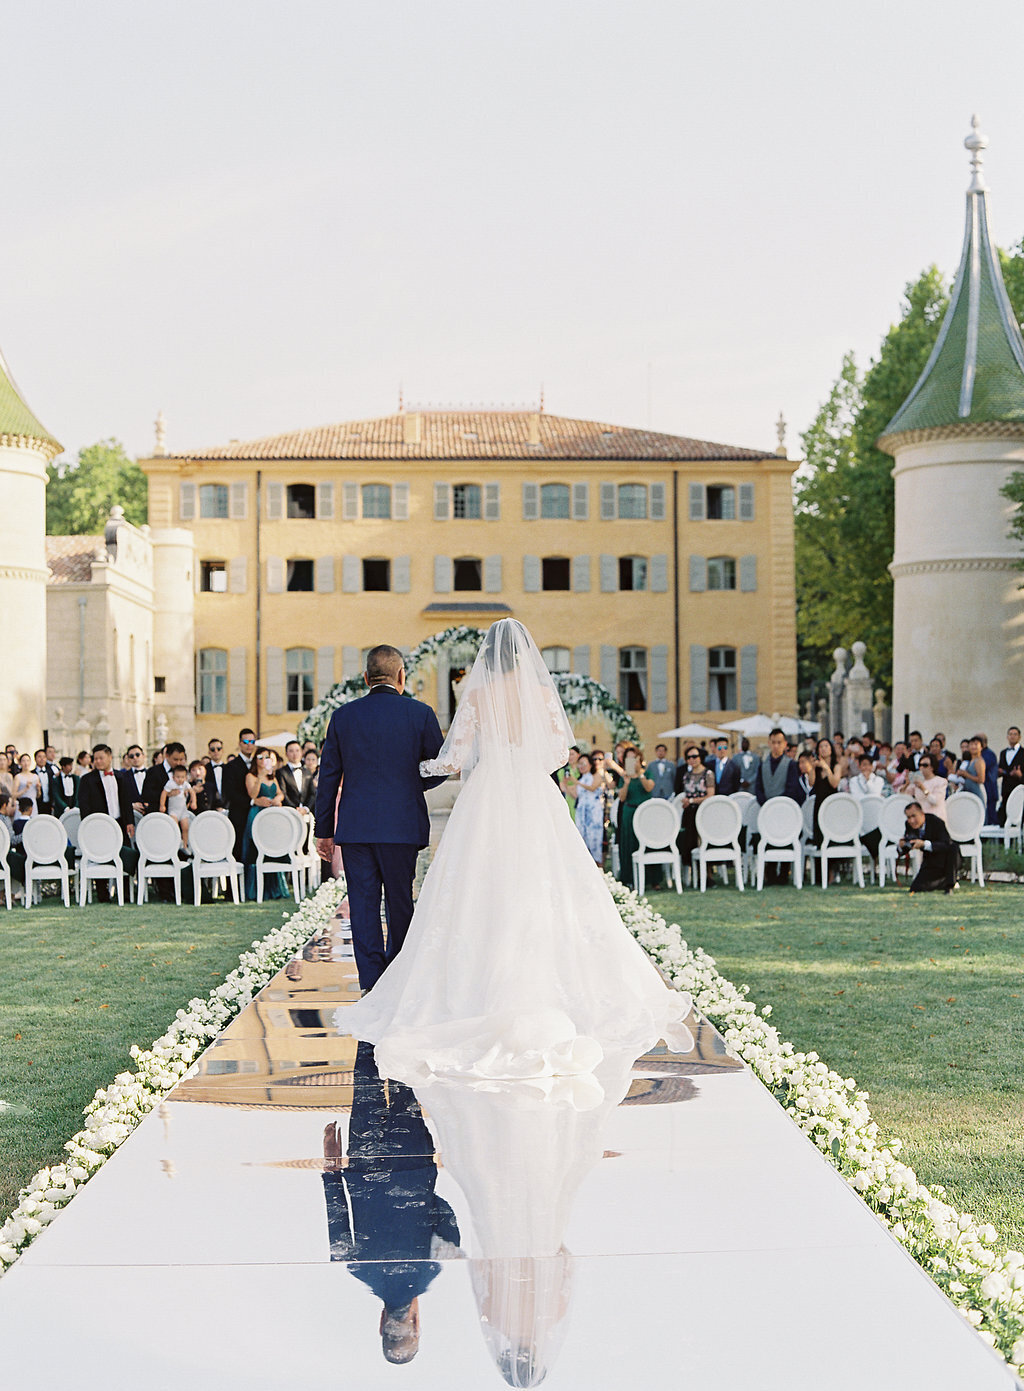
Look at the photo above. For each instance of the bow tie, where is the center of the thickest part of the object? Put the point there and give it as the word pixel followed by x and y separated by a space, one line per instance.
pixel 107 774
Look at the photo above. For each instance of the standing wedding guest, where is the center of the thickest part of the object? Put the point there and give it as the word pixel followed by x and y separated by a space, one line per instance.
pixel 6 776
pixel 134 778
pixel 101 790
pixel 937 753
pixel 805 763
pixel 916 748
pixel 291 775
pixel 215 800
pixel 748 764
pixel 236 797
pixel 158 776
pixel 592 796
pixel 827 772
pixel 928 789
pixel 636 788
pixel 566 779
pixel 779 776
pixel 720 761
pixel 83 762
pixel 695 784
pixel 940 856
pixel 662 771
pixel 65 792
pixel 1011 769
pixel 47 775
pixel 263 791
pixel 973 771
pixel 991 781
pixel 26 780
pixel 310 778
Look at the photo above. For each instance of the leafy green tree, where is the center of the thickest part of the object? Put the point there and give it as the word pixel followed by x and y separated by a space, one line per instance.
pixel 79 496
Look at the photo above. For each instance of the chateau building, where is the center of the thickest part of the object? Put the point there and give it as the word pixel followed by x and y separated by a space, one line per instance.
pixel 659 565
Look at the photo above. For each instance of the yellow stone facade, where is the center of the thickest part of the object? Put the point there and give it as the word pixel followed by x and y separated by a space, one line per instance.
pixel 284 607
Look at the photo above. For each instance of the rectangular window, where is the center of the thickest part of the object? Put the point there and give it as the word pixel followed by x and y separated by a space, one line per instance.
pixel 554 501
pixel 377 575
pixel 213 577
pixel 722 678
pixel 300 577
pixel 632 572
pixel 213 500
pixel 554 572
pixel 557 658
pixel 633 677
pixel 467 573
pixel 466 501
pixel 721 503
pixel 301 501
pixel 299 679
pixel 159 685
pixel 633 500
pixel 722 575
pixel 213 681
pixel 376 500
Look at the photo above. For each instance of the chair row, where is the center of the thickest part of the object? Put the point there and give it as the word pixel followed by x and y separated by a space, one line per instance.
pixel 784 834
pixel 282 837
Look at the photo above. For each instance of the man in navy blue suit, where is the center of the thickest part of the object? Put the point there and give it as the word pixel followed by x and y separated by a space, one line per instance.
pixel 373 750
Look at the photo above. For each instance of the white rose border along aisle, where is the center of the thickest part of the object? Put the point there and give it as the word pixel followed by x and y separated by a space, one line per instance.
pixel 986 1284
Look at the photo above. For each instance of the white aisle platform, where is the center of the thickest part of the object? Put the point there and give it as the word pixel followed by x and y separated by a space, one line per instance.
pixel 676 1231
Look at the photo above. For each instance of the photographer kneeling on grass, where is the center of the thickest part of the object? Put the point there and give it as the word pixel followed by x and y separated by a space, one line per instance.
pixel 940 856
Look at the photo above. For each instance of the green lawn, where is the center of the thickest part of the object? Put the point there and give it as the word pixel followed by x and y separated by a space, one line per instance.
pixel 77 988
pixel 920 999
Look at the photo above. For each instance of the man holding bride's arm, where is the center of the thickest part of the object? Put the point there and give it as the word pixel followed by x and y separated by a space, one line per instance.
pixel 376 744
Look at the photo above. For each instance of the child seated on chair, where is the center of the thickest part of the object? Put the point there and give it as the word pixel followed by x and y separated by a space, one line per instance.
pixel 178 799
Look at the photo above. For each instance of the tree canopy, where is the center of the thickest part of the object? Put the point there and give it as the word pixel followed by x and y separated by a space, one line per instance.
pixel 79 496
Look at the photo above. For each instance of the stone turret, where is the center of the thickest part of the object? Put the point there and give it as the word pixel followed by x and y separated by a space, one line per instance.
pixel 26 448
pixel 958 613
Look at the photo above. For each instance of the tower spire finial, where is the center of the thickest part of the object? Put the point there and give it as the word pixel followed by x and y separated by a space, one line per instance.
pixel 976 143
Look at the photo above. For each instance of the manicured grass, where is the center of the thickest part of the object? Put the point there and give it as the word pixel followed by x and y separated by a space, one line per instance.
pixel 77 988
pixel 920 999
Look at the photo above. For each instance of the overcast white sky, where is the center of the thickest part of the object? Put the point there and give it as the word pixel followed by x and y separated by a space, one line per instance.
pixel 261 217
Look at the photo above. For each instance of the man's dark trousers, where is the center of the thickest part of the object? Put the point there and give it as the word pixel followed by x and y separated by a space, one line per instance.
pixel 368 869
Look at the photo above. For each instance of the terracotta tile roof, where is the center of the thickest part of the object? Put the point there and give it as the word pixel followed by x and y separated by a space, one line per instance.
pixel 444 434
pixel 70 558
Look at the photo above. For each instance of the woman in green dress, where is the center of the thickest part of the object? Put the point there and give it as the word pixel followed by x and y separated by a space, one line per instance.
pixel 636 788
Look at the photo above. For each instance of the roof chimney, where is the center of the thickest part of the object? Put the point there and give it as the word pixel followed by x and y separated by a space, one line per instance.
pixel 411 427
pixel 533 426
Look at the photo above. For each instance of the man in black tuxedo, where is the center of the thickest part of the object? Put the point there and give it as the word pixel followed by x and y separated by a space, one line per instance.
pixel 134 778
pixel 1011 769
pixel 65 788
pixel 215 799
pixel 101 790
pixel 236 798
pixel 940 856
pixel 159 775
pixel 292 778
pixel 47 773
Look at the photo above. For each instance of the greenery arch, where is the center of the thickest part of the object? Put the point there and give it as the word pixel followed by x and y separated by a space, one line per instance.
pixel 580 695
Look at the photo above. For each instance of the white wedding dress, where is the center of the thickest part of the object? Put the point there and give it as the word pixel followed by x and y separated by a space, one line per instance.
pixel 516 963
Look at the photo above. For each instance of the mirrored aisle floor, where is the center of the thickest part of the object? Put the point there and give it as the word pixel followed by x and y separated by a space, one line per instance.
pixel 662 1225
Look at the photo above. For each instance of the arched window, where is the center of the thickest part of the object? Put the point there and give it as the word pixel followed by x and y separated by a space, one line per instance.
pixel 376 500
pixel 557 658
pixel 633 500
pixel 467 572
pixel 721 503
pixel 632 572
pixel 722 678
pixel 213 681
pixel 301 502
pixel 213 500
pixel 466 501
pixel 554 572
pixel 554 501
pixel 722 574
pixel 633 677
pixel 298 670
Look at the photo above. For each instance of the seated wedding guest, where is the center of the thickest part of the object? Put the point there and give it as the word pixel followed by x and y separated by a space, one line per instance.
pixel 133 775
pixel 7 808
pixel 805 763
pixel 867 783
pixel 178 800
pixel 928 788
pixel 662 771
pixel 1011 769
pixel 940 856
pixel 6 776
pixel 694 784
pixel 263 791
pixel 26 780
pixel 291 775
pixel 15 855
pixel 991 784
pixel 636 788
pixel 65 792
pixel 101 790
pixel 82 763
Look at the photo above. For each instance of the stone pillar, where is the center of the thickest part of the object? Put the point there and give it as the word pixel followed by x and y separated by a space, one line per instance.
pixel 883 718
pixel 174 633
pixel 857 695
pixel 836 682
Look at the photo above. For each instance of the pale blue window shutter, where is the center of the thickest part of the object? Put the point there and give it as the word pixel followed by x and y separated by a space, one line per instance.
pixel 748 678
pixel 237 567
pixel 275 680
pixel 609 574
pixel 659 574
pixel 275 502
pixel 238 501
pixel 659 679
pixel 275 574
pixel 492 574
pixel 325 502
pixel 442 502
pixel 531 502
pixel 698 678
pixel 657 502
pixel 698 574
pixel 748 573
pixel 351 574
pixel 581 574
pixel 746 502
pixel 401 574
pixel 696 502
pixel 492 502
pixel 324 671
pixel 610 670
pixel 581 660
pixel 349 662
pixel 443 574
pixel 324 574
pixel 531 574
pixel 400 502
pixel 607 502
pixel 350 502
pixel 237 686
pixel 580 502
pixel 187 502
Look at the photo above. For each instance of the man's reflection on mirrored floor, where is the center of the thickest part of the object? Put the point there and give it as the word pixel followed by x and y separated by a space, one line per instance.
pixel 383 1217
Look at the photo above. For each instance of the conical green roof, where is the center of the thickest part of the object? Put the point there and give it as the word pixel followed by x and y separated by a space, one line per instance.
pixel 15 417
pixel 975 372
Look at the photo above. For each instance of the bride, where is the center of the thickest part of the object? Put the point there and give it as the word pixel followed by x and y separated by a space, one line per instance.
pixel 516 963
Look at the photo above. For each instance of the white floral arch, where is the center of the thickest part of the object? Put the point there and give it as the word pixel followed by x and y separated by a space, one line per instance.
pixel 580 695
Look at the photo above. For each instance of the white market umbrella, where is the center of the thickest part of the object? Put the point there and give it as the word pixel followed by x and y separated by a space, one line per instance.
pixel 278 740
pixel 692 731
pixel 760 726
